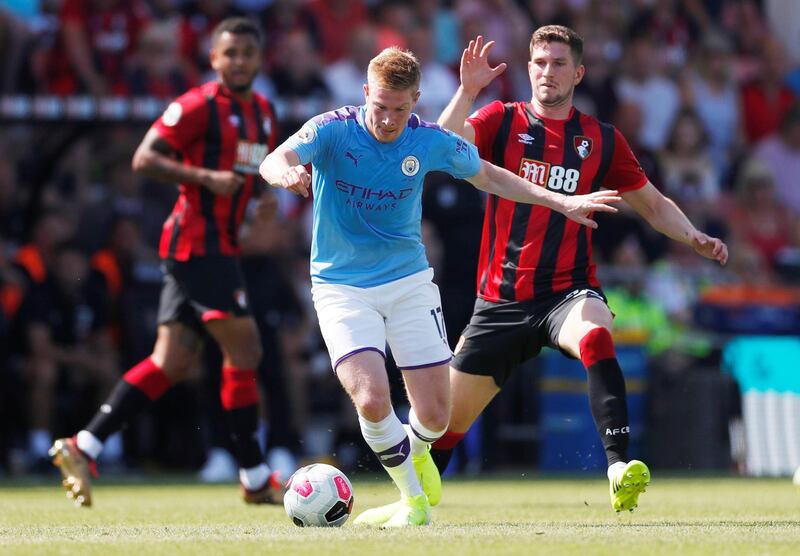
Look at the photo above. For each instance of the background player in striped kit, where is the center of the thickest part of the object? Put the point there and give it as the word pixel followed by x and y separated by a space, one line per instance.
pixel 536 280
pixel 210 140
pixel 371 279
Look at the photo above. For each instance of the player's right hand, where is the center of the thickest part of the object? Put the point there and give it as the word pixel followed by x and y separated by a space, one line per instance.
pixel 476 73
pixel 223 183
pixel 296 179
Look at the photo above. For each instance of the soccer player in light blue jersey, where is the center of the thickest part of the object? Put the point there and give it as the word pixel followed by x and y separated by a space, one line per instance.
pixel 371 281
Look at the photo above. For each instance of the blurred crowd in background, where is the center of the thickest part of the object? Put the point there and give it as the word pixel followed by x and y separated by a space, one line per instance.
pixel 706 92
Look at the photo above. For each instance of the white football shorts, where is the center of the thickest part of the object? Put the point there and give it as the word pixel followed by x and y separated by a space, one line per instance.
pixel 406 314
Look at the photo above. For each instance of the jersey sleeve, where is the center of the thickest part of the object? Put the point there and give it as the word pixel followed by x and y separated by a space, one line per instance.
pixel 184 121
pixel 454 155
pixel 486 122
pixel 624 173
pixel 310 142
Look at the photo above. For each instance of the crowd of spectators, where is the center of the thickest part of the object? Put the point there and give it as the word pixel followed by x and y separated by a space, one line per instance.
pixel 706 93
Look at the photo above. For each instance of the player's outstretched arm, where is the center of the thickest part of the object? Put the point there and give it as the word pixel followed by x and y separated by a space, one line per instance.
pixel 579 208
pixel 282 168
pixel 476 73
pixel 665 216
pixel 155 158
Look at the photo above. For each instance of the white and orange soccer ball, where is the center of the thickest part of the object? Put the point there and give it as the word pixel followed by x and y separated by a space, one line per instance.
pixel 318 495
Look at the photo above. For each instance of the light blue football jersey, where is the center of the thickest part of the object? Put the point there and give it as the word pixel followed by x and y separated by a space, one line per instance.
pixel 368 194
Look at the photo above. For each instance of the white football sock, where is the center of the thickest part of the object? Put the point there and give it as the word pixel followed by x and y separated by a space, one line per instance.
pixel 388 439
pixel 89 444
pixel 421 436
pixel 615 469
pixel 254 478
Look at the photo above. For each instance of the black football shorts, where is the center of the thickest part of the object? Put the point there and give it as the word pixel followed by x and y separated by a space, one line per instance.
pixel 502 336
pixel 202 289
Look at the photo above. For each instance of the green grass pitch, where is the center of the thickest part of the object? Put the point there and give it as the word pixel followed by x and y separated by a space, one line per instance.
pixel 521 515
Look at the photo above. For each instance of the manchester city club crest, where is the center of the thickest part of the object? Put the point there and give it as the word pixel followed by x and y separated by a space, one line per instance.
pixel 583 146
pixel 410 165
pixel 307 134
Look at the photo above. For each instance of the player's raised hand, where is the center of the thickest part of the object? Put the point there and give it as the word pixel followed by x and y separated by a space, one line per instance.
pixel 476 72
pixel 223 183
pixel 710 247
pixel 296 179
pixel 579 207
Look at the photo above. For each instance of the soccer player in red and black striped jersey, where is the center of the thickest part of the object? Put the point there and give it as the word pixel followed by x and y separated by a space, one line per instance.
pixel 536 280
pixel 211 141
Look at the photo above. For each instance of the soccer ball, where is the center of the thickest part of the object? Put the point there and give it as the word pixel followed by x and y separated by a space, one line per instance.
pixel 318 495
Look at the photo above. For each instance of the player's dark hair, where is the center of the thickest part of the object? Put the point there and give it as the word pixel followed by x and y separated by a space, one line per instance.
pixel 562 34
pixel 237 26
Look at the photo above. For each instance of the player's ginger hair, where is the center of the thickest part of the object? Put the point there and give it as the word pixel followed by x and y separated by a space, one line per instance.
pixel 395 69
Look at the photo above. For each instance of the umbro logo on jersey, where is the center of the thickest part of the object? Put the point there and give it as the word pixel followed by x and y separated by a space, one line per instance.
pixel 525 139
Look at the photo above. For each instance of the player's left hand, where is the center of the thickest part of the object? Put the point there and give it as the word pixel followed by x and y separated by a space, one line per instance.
pixel 579 207
pixel 710 247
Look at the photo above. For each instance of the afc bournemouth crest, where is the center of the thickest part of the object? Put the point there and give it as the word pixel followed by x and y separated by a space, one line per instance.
pixel 583 146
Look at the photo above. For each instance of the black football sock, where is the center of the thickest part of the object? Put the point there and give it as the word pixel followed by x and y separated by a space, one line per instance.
pixel 243 424
pixel 607 399
pixel 239 395
pixel 134 391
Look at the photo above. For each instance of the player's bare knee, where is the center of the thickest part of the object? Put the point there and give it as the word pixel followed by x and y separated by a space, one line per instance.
pixel 433 414
pixel 373 405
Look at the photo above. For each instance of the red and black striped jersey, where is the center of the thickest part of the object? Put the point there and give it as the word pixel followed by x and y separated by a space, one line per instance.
pixel 211 128
pixel 530 251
